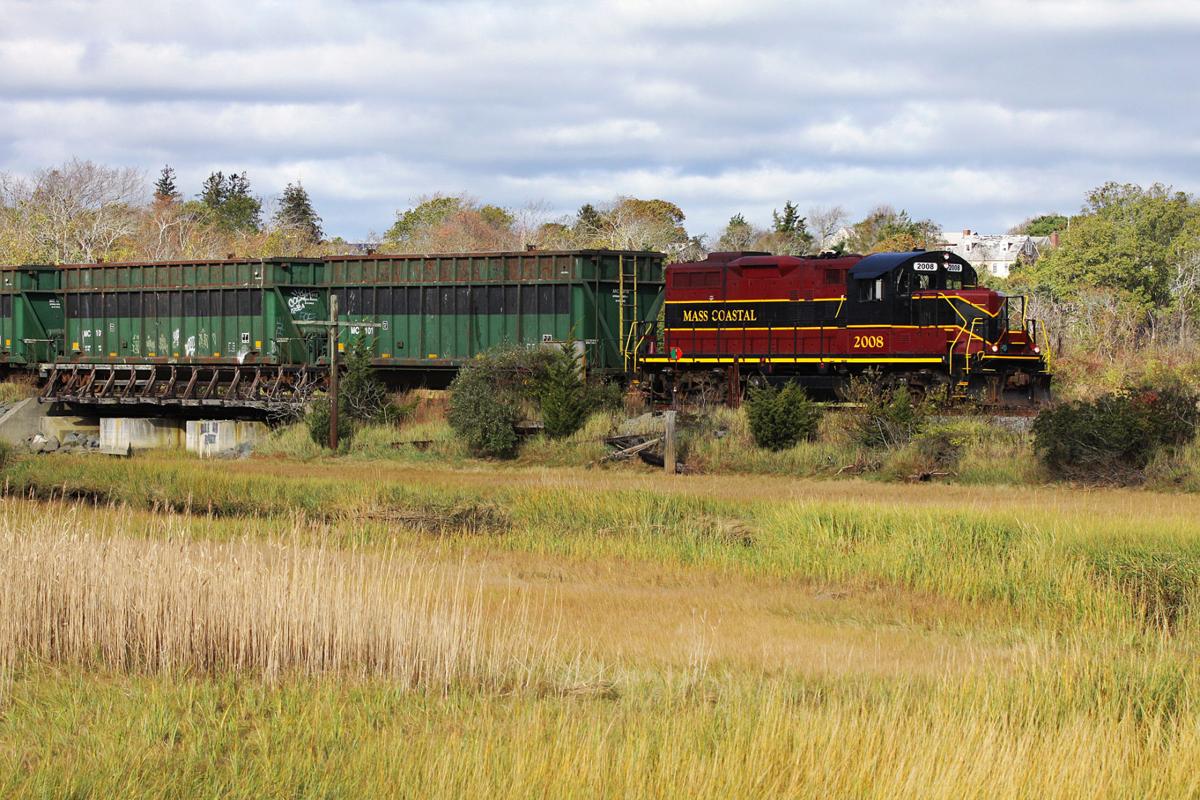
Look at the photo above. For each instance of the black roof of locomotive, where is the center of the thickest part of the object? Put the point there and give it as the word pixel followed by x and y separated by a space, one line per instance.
pixel 882 263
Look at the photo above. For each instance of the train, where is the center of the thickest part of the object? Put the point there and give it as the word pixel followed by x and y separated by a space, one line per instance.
pixel 252 334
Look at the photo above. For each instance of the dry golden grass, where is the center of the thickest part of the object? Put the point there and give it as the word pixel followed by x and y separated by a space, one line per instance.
pixel 269 608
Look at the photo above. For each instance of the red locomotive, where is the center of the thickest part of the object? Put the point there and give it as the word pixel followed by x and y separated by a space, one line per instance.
pixel 919 317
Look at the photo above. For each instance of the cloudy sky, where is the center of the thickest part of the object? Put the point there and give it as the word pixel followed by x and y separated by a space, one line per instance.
pixel 975 114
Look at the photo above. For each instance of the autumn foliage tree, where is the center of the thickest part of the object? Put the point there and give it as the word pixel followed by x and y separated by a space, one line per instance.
pixel 887 230
pixel 450 223
pixel 79 211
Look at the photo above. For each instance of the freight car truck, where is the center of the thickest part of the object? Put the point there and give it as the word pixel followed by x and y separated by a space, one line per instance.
pixel 189 333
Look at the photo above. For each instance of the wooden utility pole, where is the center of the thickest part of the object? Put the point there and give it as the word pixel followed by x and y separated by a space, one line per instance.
pixel 333 326
pixel 333 372
pixel 669 457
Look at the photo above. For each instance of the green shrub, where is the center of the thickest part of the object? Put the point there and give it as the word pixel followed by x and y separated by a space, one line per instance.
pixel 1115 436
pixel 317 421
pixel 780 418
pixel 491 394
pixel 564 396
pixel 497 389
pixel 883 415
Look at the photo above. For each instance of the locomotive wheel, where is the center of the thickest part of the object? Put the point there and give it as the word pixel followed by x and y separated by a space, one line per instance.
pixel 702 389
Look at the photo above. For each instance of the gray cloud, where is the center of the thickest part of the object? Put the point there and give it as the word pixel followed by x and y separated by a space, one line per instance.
pixel 975 114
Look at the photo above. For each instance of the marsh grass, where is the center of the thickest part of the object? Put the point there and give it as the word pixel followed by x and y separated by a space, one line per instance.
pixel 285 631
pixel 16 388
pixel 289 441
pixel 724 444
pixel 584 447
pixel 267 608
pixel 1069 732
pixel 1060 559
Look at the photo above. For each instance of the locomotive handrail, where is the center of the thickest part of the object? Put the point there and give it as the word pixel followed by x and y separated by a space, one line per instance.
pixel 974 321
pixel 1045 340
pixel 950 353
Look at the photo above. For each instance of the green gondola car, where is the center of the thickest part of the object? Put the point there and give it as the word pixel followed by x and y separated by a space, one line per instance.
pixel 233 332
pixel 436 311
pixel 31 315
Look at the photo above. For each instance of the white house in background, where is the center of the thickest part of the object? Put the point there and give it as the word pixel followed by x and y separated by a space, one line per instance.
pixel 995 253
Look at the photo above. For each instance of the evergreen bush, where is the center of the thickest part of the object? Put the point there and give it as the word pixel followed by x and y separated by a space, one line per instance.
pixel 317 421
pixel 780 418
pixel 564 397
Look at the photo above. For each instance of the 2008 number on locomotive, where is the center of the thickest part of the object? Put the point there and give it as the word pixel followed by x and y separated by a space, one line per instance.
pixel 862 342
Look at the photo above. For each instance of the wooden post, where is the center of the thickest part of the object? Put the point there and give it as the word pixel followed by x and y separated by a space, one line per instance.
pixel 333 372
pixel 669 440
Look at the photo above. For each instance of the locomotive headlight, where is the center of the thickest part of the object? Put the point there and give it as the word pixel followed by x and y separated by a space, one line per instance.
pixel 995 349
pixel 1037 349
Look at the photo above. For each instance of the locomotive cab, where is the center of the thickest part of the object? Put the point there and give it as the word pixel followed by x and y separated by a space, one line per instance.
pixel 988 342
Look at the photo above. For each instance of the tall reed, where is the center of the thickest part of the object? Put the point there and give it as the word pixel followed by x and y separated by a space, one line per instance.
pixel 269 608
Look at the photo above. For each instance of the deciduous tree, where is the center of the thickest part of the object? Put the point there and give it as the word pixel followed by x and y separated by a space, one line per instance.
pixel 1042 225
pixel 825 222
pixel 78 211
pixel 451 223
pixel 738 235
pixel 1128 239
pixel 886 230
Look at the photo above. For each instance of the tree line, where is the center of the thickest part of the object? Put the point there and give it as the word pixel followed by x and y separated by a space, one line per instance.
pixel 81 211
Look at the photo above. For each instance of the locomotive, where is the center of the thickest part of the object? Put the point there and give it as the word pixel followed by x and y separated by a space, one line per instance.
pixel 920 318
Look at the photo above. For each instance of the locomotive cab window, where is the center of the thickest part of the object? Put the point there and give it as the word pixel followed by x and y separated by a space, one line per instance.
pixel 870 290
pixel 908 282
pixel 959 276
